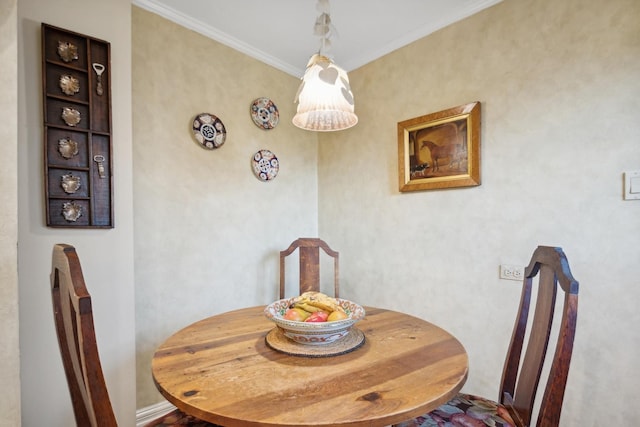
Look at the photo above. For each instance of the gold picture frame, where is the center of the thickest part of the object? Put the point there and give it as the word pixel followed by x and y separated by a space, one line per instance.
pixel 440 150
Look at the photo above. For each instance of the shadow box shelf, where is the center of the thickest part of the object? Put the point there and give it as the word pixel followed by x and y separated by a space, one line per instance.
pixel 77 129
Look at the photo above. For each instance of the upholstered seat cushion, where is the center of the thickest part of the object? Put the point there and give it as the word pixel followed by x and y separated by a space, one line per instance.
pixel 178 418
pixel 464 410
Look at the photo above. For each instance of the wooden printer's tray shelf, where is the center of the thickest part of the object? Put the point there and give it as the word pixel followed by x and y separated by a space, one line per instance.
pixel 76 86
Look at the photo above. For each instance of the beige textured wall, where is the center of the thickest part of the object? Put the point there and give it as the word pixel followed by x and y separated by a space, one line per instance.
pixel 106 255
pixel 207 231
pixel 560 92
pixel 9 350
pixel 559 87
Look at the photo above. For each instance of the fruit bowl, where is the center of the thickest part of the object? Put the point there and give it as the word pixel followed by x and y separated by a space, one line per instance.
pixel 314 333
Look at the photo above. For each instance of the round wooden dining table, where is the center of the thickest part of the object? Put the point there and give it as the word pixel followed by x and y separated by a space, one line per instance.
pixel 223 370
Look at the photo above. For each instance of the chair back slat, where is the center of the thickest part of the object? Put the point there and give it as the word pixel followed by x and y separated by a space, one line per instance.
pixel 309 261
pixel 73 316
pixel 522 374
pixel 309 268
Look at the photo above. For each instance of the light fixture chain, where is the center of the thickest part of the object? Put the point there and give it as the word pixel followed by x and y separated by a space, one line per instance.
pixel 323 27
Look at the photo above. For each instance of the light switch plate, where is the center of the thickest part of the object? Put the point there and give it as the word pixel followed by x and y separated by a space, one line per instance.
pixel 632 185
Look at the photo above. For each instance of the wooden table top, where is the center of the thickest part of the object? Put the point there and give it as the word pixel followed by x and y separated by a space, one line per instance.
pixel 221 370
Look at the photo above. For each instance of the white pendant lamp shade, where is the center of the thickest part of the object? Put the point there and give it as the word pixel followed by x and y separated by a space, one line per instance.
pixel 325 100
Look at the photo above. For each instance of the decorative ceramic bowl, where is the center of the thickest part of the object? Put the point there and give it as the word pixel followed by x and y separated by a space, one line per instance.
pixel 314 333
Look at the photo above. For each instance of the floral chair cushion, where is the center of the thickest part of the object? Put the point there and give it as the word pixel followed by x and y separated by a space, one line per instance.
pixel 177 418
pixel 464 410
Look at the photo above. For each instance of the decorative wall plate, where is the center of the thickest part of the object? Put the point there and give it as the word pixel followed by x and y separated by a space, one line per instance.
pixel 209 131
pixel 71 116
pixel 264 113
pixel 265 165
pixel 69 84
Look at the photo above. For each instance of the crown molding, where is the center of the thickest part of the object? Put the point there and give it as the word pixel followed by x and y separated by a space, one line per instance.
pixel 217 35
pixel 443 21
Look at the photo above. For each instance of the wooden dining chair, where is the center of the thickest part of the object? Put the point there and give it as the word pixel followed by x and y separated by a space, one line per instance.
pixel 73 316
pixel 309 256
pixel 521 375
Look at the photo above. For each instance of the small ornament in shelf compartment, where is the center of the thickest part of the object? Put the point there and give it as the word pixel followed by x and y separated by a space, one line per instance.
pixel 265 165
pixel 99 159
pixel 71 116
pixel 71 211
pixel 67 148
pixel 99 69
pixel 70 183
pixel 264 113
pixel 69 85
pixel 67 51
pixel 209 131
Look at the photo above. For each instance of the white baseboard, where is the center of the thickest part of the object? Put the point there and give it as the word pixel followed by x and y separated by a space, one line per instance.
pixel 150 413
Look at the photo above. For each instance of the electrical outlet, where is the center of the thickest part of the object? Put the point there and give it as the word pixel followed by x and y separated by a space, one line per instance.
pixel 511 272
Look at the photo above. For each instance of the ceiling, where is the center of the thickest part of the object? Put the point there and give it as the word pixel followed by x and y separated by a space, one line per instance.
pixel 280 32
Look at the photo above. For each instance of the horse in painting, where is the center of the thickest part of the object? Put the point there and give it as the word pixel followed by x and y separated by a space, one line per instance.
pixel 441 153
pixel 445 143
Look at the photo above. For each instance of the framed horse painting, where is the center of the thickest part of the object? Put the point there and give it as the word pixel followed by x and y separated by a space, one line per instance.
pixel 440 150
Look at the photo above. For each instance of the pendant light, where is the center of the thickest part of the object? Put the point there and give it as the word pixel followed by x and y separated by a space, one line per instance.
pixel 325 101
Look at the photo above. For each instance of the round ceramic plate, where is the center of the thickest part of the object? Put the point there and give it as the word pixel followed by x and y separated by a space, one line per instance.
pixel 209 131
pixel 265 165
pixel 264 113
